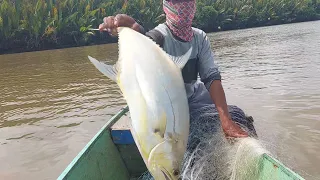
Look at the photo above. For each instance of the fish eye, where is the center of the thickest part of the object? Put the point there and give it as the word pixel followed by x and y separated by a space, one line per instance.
pixel 176 172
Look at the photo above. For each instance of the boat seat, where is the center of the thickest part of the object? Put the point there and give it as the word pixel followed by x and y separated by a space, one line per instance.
pixel 122 136
pixel 123 139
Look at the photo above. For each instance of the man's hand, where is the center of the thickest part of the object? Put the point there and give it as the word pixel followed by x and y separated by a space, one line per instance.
pixel 232 130
pixel 111 23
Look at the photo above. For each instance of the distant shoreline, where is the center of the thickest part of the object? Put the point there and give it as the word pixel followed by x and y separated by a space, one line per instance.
pixel 110 40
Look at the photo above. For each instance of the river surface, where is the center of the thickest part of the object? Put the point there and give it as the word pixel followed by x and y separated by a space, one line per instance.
pixel 53 102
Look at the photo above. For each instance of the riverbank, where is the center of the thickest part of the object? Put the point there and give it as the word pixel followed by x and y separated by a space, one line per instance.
pixel 33 25
pixel 20 49
pixel 106 39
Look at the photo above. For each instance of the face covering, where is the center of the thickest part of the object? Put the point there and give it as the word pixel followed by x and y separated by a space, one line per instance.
pixel 179 16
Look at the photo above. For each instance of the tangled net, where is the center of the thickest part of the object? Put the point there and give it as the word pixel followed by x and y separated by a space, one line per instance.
pixel 210 156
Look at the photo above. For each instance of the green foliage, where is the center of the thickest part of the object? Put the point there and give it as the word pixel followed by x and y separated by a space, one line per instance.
pixel 43 24
pixel 147 13
pixel 205 17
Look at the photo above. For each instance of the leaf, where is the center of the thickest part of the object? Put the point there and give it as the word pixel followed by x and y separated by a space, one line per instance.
pixel 91 33
pixel 83 29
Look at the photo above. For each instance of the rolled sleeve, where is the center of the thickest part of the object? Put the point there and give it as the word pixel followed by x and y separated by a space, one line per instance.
pixel 208 70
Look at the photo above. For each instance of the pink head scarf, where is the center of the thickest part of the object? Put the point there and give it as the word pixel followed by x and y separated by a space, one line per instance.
pixel 179 16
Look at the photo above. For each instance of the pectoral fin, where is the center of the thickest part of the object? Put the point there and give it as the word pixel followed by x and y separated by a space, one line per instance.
pixel 160 152
pixel 181 61
pixel 107 70
pixel 162 157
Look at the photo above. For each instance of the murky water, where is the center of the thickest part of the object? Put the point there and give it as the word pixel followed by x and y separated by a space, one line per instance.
pixel 53 102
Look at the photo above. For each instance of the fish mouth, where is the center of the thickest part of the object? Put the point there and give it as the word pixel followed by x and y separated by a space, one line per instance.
pixel 167 175
pixel 164 172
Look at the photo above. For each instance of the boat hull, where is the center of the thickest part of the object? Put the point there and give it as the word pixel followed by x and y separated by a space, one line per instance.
pixel 112 154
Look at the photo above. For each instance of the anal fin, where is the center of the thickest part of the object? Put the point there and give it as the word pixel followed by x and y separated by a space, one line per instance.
pixel 182 60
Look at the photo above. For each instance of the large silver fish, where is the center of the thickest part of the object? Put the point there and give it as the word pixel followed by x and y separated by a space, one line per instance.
pixel 152 85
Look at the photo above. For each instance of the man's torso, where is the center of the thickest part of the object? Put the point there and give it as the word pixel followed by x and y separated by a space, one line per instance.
pixel 175 47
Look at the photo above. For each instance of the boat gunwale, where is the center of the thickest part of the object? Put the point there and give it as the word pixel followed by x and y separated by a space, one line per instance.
pixel 277 164
pixel 88 146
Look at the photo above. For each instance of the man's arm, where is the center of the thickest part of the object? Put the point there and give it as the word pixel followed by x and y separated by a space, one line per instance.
pixel 111 23
pixel 230 128
pixel 211 77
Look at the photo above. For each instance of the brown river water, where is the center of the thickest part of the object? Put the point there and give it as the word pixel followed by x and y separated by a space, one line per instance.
pixel 53 102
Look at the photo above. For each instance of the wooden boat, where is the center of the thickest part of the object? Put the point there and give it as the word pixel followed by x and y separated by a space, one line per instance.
pixel 113 155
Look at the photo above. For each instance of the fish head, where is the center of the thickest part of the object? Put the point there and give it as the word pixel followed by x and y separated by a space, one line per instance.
pixel 164 161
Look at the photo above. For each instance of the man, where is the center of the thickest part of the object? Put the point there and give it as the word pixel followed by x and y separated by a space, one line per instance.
pixel 176 36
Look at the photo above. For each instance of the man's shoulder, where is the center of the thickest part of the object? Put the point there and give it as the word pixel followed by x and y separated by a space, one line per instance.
pixel 164 30
pixel 161 28
pixel 199 32
pixel 200 36
pixel 157 34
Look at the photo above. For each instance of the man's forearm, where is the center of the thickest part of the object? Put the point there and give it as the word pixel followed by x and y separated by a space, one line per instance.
pixel 230 128
pixel 218 96
pixel 137 27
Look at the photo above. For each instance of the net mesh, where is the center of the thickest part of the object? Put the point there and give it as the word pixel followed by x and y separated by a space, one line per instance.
pixel 210 155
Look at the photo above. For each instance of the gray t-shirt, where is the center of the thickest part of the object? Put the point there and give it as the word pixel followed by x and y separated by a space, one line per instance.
pixel 201 54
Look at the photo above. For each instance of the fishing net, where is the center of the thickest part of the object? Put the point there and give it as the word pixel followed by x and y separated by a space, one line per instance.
pixel 210 155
